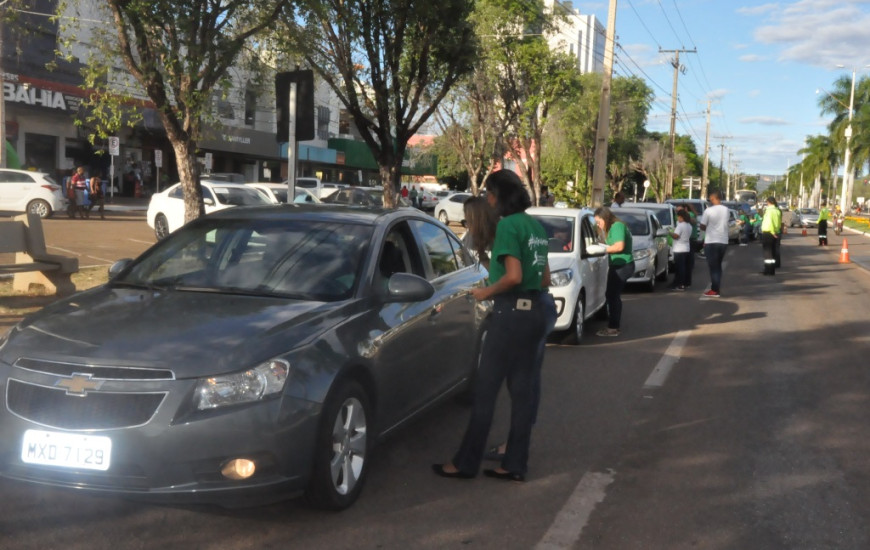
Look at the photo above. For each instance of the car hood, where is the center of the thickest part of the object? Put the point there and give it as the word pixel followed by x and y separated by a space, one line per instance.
pixel 192 333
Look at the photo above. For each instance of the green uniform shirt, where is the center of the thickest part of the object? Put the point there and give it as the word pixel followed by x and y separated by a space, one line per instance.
pixel 772 221
pixel 693 221
pixel 523 237
pixel 619 232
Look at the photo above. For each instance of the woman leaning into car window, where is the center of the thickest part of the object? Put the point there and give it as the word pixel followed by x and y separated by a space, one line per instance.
pixel 619 251
pixel 517 274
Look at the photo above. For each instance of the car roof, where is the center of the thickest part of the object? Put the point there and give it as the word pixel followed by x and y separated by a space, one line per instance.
pixel 650 205
pixel 640 211
pixel 554 211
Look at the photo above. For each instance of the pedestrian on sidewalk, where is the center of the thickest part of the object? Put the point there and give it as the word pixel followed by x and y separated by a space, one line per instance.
pixel 770 227
pixel 97 195
pixel 714 221
pixel 79 183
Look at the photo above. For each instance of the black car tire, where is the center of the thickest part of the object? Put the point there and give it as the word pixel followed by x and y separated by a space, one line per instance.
pixel 578 322
pixel 442 217
pixel 39 207
pixel 341 452
pixel 161 227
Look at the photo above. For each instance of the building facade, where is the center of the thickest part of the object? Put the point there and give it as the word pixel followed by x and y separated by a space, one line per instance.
pixel 581 36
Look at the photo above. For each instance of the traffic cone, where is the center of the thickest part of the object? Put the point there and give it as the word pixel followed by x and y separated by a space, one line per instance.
pixel 844 253
pixel 803 233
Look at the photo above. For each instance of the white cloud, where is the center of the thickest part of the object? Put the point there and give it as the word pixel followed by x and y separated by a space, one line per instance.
pixel 752 58
pixel 822 33
pixel 765 121
pixel 758 10
pixel 718 94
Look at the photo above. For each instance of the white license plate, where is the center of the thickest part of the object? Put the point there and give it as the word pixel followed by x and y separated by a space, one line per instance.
pixel 91 452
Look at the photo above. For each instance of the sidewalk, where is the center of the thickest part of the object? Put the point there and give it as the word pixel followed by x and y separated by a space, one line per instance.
pixel 126 204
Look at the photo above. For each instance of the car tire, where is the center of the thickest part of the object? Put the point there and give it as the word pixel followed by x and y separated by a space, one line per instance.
pixel 341 452
pixel 579 321
pixel 161 227
pixel 442 217
pixel 651 284
pixel 666 272
pixel 39 207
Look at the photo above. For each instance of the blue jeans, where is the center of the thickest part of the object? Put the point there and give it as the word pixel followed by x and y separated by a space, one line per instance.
pixel 511 351
pixel 715 253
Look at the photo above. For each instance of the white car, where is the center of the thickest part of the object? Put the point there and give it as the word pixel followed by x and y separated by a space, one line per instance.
pixel 166 209
pixel 428 200
pixel 578 265
pixel 452 208
pixel 649 246
pixel 277 193
pixel 33 192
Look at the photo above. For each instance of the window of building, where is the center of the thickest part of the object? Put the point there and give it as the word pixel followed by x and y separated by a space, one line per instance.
pixel 323 122
pixel 250 107
pixel 344 122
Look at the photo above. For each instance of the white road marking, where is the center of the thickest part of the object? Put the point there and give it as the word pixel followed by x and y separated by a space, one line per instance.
pixel 660 373
pixel 142 242
pixel 572 518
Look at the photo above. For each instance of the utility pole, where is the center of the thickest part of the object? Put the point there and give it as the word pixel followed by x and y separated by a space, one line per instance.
pixel 721 160
pixel 705 177
pixel 669 184
pixel 730 170
pixel 602 134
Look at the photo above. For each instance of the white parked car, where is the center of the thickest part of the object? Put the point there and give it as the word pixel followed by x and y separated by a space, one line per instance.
pixel 428 200
pixel 33 192
pixel 277 193
pixel 578 265
pixel 452 209
pixel 166 209
pixel 649 246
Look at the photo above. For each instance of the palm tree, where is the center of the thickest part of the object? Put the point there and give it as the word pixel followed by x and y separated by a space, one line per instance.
pixel 819 157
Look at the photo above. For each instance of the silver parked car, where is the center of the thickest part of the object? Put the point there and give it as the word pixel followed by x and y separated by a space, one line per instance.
pixel 251 354
pixel 649 246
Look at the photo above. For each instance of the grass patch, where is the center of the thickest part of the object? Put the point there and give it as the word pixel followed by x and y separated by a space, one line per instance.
pixel 23 303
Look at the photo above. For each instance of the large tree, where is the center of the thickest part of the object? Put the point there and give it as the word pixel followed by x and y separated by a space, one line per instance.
pixel 179 52
pixel 389 62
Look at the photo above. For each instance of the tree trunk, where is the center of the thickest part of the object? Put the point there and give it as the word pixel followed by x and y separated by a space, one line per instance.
pixel 188 172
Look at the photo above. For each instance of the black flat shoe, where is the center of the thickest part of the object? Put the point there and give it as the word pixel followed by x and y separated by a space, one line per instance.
pixel 506 476
pixel 493 454
pixel 439 470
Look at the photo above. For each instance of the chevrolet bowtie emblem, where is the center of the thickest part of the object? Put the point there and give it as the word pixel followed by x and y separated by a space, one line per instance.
pixel 78 384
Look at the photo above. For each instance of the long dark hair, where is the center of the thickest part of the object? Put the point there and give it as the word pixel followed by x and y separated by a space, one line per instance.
pixel 481 220
pixel 607 215
pixel 510 193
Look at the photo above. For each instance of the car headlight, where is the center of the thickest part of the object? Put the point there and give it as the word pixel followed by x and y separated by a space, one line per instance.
pixel 562 277
pixel 642 254
pixel 242 387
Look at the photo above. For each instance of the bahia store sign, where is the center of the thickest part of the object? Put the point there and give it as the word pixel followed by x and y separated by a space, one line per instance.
pixel 25 93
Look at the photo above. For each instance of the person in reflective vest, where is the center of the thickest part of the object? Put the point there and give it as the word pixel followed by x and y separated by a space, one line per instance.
pixel 824 216
pixel 770 233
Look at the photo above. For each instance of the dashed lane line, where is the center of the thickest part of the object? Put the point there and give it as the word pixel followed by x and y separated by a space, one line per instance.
pixel 590 491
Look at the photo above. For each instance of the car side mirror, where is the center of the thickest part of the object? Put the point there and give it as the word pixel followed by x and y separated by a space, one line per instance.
pixel 594 250
pixel 118 267
pixel 208 201
pixel 407 287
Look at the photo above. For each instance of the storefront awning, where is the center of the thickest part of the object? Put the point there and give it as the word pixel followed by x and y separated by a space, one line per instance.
pixel 242 141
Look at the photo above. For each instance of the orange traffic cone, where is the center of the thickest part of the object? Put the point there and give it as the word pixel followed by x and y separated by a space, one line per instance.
pixel 844 253
pixel 803 233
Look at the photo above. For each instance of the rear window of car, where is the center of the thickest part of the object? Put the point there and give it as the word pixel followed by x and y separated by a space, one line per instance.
pixel 239 196
pixel 638 224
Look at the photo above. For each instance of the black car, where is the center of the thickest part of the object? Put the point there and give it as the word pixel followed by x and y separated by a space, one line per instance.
pixel 255 352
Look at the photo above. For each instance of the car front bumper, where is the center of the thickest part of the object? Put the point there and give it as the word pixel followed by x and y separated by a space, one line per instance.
pixel 175 455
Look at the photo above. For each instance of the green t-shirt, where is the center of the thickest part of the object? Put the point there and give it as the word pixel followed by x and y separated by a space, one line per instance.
pixel 693 221
pixel 619 232
pixel 523 237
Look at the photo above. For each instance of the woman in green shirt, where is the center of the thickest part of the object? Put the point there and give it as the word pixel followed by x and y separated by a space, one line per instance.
pixel 518 277
pixel 618 239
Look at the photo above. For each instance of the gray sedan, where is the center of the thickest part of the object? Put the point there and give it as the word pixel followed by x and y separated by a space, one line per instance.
pixel 253 353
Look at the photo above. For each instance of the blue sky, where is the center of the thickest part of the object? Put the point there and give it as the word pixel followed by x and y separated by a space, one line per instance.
pixel 760 62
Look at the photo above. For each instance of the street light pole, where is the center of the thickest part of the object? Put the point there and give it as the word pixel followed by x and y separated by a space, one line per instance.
pixel 846 166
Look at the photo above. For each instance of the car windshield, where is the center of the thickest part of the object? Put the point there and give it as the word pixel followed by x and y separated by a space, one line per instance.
pixel 298 259
pixel 663 215
pixel 239 196
pixel 637 222
pixel 809 211
pixel 560 232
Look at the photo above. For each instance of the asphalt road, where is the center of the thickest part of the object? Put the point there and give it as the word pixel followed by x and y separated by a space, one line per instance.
pixel 734 423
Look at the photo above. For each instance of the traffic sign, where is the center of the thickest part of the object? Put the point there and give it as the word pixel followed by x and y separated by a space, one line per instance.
pixel 114 146
pixel 158 158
